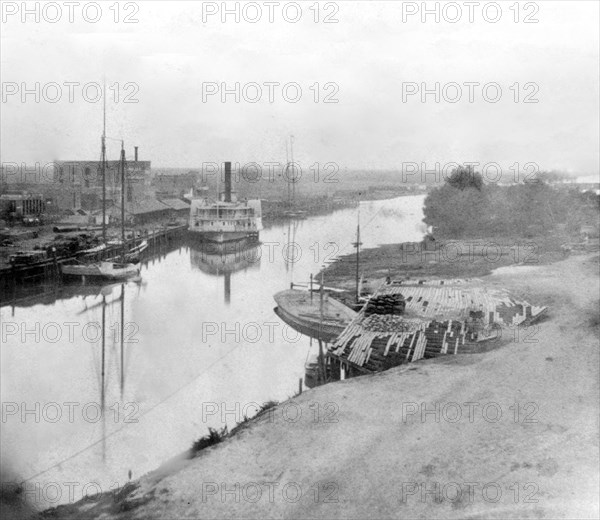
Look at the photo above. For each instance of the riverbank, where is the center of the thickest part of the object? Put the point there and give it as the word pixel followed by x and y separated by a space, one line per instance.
pixel 365 448
pixel 445 259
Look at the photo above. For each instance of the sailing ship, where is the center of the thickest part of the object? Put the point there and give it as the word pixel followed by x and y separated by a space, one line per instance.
pixel 110 269
pixel 226 219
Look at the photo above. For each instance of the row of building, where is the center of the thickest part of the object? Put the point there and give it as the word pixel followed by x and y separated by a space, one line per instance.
pixel 72 191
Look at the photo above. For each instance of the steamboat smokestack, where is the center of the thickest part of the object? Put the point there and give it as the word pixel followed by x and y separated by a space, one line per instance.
pixel 136 153
pixel 227 182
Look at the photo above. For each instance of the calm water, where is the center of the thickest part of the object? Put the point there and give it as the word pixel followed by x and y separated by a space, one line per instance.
pixel 201 336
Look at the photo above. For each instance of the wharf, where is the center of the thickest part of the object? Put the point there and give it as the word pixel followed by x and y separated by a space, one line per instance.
pixel 49 269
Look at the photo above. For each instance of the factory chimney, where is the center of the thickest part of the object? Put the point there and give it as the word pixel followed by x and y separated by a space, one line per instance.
pixel 136 153
pixel 227 182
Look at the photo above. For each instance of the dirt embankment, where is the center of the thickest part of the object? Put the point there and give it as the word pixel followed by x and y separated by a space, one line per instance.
pixel 512 433
pixel 446 258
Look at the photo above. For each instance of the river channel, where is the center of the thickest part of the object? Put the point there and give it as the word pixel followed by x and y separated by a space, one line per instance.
pixel 201 346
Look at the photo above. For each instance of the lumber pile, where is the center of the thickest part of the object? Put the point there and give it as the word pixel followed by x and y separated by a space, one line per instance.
pixel 386 304
pixel 387 323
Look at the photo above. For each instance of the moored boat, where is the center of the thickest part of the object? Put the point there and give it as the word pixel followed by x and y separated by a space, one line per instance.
pixel 109 269
pixel 226 219
pixel 106 270
pixel 303 313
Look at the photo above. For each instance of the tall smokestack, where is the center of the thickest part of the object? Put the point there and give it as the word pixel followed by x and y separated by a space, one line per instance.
pixel 227 182
pixel 136 153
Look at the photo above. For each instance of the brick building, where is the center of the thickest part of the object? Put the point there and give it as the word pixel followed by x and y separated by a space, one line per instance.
pixel 83 181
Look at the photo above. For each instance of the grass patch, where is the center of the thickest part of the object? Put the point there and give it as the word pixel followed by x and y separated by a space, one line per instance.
pixel 266 406
pixel 217 436
pixel 213 437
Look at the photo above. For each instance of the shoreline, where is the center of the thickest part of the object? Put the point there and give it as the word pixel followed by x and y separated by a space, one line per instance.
pixel 547 450
pixel 444 258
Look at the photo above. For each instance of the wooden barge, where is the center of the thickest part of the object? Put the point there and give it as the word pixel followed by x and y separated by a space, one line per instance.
pixel 302 311
pixel 440 317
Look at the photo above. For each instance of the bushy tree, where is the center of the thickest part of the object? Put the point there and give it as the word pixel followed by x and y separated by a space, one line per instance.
pixel 464 206
pixel 465 177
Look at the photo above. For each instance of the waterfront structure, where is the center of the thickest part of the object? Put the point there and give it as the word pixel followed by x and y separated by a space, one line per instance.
pixel 225 219
pixel 83 181
pixel 18 204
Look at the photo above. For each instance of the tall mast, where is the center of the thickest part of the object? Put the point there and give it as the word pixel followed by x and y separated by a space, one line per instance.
pixel 322 373
pixel 293 178
pixel 287 172
pixel 103 351
pixel 358 254
pixel 123 200
pixel 102 388
pixel 122 339
pixel 103 165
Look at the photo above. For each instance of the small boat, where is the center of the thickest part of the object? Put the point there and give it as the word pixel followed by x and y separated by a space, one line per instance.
pixel 107 270
pixel 301 313
pixel 117 271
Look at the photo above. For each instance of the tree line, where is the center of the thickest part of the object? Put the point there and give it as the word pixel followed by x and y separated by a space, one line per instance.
pixel 466 206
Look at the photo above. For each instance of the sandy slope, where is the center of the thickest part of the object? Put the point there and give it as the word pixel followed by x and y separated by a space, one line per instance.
pixel 375 450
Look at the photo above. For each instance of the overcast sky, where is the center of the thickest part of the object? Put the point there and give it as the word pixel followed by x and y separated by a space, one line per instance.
pixel 368 54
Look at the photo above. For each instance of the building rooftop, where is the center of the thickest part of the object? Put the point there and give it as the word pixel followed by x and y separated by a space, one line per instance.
pixel 176 204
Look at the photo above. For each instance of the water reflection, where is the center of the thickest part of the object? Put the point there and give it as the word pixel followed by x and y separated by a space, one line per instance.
pixel 224 259
pixel 204 332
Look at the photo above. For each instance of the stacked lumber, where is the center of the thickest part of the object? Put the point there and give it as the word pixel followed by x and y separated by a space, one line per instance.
pixel 387 323
pixel 386 304
pixel 448 319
